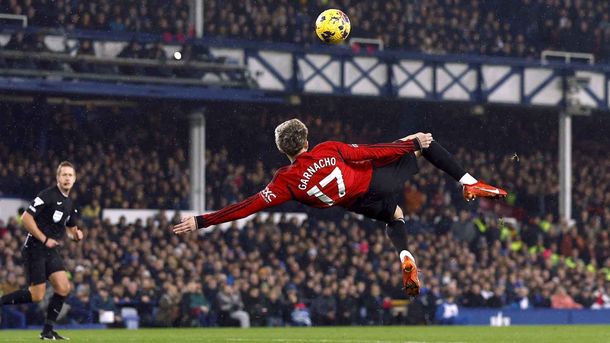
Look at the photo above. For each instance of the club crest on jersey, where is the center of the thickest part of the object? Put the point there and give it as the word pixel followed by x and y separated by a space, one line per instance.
pixel 57 216
pixel 268 195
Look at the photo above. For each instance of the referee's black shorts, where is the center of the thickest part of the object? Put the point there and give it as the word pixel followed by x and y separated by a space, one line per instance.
pixel 40 263
pixel 386 189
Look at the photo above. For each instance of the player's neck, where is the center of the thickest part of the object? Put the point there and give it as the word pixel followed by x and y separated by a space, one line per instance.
pixel 293 158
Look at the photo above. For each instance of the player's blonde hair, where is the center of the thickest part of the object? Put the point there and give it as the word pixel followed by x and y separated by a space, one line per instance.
pixel 291 136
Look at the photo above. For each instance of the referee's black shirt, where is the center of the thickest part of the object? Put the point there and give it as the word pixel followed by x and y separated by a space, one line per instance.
pixel 52 212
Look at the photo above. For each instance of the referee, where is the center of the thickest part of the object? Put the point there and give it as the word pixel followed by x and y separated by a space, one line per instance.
pixel 46 220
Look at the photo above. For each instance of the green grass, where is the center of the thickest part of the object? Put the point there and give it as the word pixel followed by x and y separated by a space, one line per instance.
pixel 521 334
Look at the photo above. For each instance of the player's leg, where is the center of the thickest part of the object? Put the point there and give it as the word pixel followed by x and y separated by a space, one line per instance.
pixel 34 266
pixel 443 160
pixel 61 285
pixel 33 293
pixel 397 232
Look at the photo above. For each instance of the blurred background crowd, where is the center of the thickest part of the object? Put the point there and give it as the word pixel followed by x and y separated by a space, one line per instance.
pixel 332 268
pixel 520 28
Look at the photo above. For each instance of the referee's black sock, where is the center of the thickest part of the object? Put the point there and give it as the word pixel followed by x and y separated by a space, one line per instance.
pixel 22 296
pixel 55 305
pixel 442 159
pixel 397 231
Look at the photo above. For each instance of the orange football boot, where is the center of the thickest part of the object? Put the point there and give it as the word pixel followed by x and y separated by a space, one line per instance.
pixel 409 277
pixel 483 190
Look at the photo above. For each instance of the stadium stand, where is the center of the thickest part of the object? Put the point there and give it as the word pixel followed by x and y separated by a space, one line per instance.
pixel 294 268
pixel 161 171
pixel 519 28
pixel 168 18
pixel 331 269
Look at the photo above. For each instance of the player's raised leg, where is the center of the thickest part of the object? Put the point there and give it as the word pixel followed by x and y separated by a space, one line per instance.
pixel 472 188
pixel 397 231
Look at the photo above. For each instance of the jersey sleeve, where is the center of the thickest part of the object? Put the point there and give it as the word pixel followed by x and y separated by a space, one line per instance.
pixel 42 200
pixel 74 216
pixel 375 152
pixel 274 194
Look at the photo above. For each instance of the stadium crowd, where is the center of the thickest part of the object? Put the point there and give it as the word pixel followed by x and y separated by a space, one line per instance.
pixel 167 18
pixel 330 269
pixel 119 161
pixel 520 28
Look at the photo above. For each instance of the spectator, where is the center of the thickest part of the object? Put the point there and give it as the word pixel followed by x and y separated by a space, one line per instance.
pixel 347 307
pixel 231 306
pixel 464 229
pixel 257 307
pixel 102 302
pixel 447 313
pixel 195 308
pixel 562 300
pixel 169 311
pixel 132 50
pixel 522 301
pixel 85 48
pixel 373 304
pixel 473 297
pixel 497 300
pixel 80 306
pixel 324 308
pixel 275 308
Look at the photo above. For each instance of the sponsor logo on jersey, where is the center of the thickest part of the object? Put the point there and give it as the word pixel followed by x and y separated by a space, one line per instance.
pixel 268 195
pixel 57 216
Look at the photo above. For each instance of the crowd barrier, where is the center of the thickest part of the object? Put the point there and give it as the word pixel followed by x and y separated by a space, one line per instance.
pixel 507 317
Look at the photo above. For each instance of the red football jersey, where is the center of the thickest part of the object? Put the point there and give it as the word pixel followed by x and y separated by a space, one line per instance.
pixel 332 173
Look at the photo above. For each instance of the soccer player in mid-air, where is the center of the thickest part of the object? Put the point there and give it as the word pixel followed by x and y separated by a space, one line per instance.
pixel 47 219
pixel 365 179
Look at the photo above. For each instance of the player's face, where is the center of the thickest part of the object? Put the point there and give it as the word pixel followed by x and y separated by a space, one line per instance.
pixel 66 178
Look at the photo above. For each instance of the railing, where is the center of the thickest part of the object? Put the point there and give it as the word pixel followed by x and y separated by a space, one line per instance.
pixel 17 17
pixel 226 75
pixel 279 69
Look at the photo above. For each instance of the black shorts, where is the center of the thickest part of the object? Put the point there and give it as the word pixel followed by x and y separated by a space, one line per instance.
pixel 386 189
pixel 40 263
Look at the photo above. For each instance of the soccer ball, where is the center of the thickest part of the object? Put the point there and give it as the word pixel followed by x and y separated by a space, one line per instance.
pixel 333 26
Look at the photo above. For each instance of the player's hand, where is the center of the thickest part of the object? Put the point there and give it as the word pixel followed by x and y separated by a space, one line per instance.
pixel 78 235
pixel 424 139
pixel 51 243
pixel 187 225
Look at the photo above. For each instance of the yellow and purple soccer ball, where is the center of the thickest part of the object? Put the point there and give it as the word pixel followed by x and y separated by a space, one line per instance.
pixel 333 26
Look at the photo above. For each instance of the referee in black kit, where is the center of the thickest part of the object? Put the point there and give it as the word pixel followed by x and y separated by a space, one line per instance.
pixel 46 220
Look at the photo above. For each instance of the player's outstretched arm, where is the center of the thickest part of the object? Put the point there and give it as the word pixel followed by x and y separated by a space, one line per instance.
pixel 383 151
pixel 424 139
pixel 273 195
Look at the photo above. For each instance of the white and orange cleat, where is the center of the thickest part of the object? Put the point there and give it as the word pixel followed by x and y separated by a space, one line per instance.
pixel 482 190
pixel 410 280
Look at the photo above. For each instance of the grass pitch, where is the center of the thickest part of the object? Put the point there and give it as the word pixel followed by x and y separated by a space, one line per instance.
pixel 356 334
